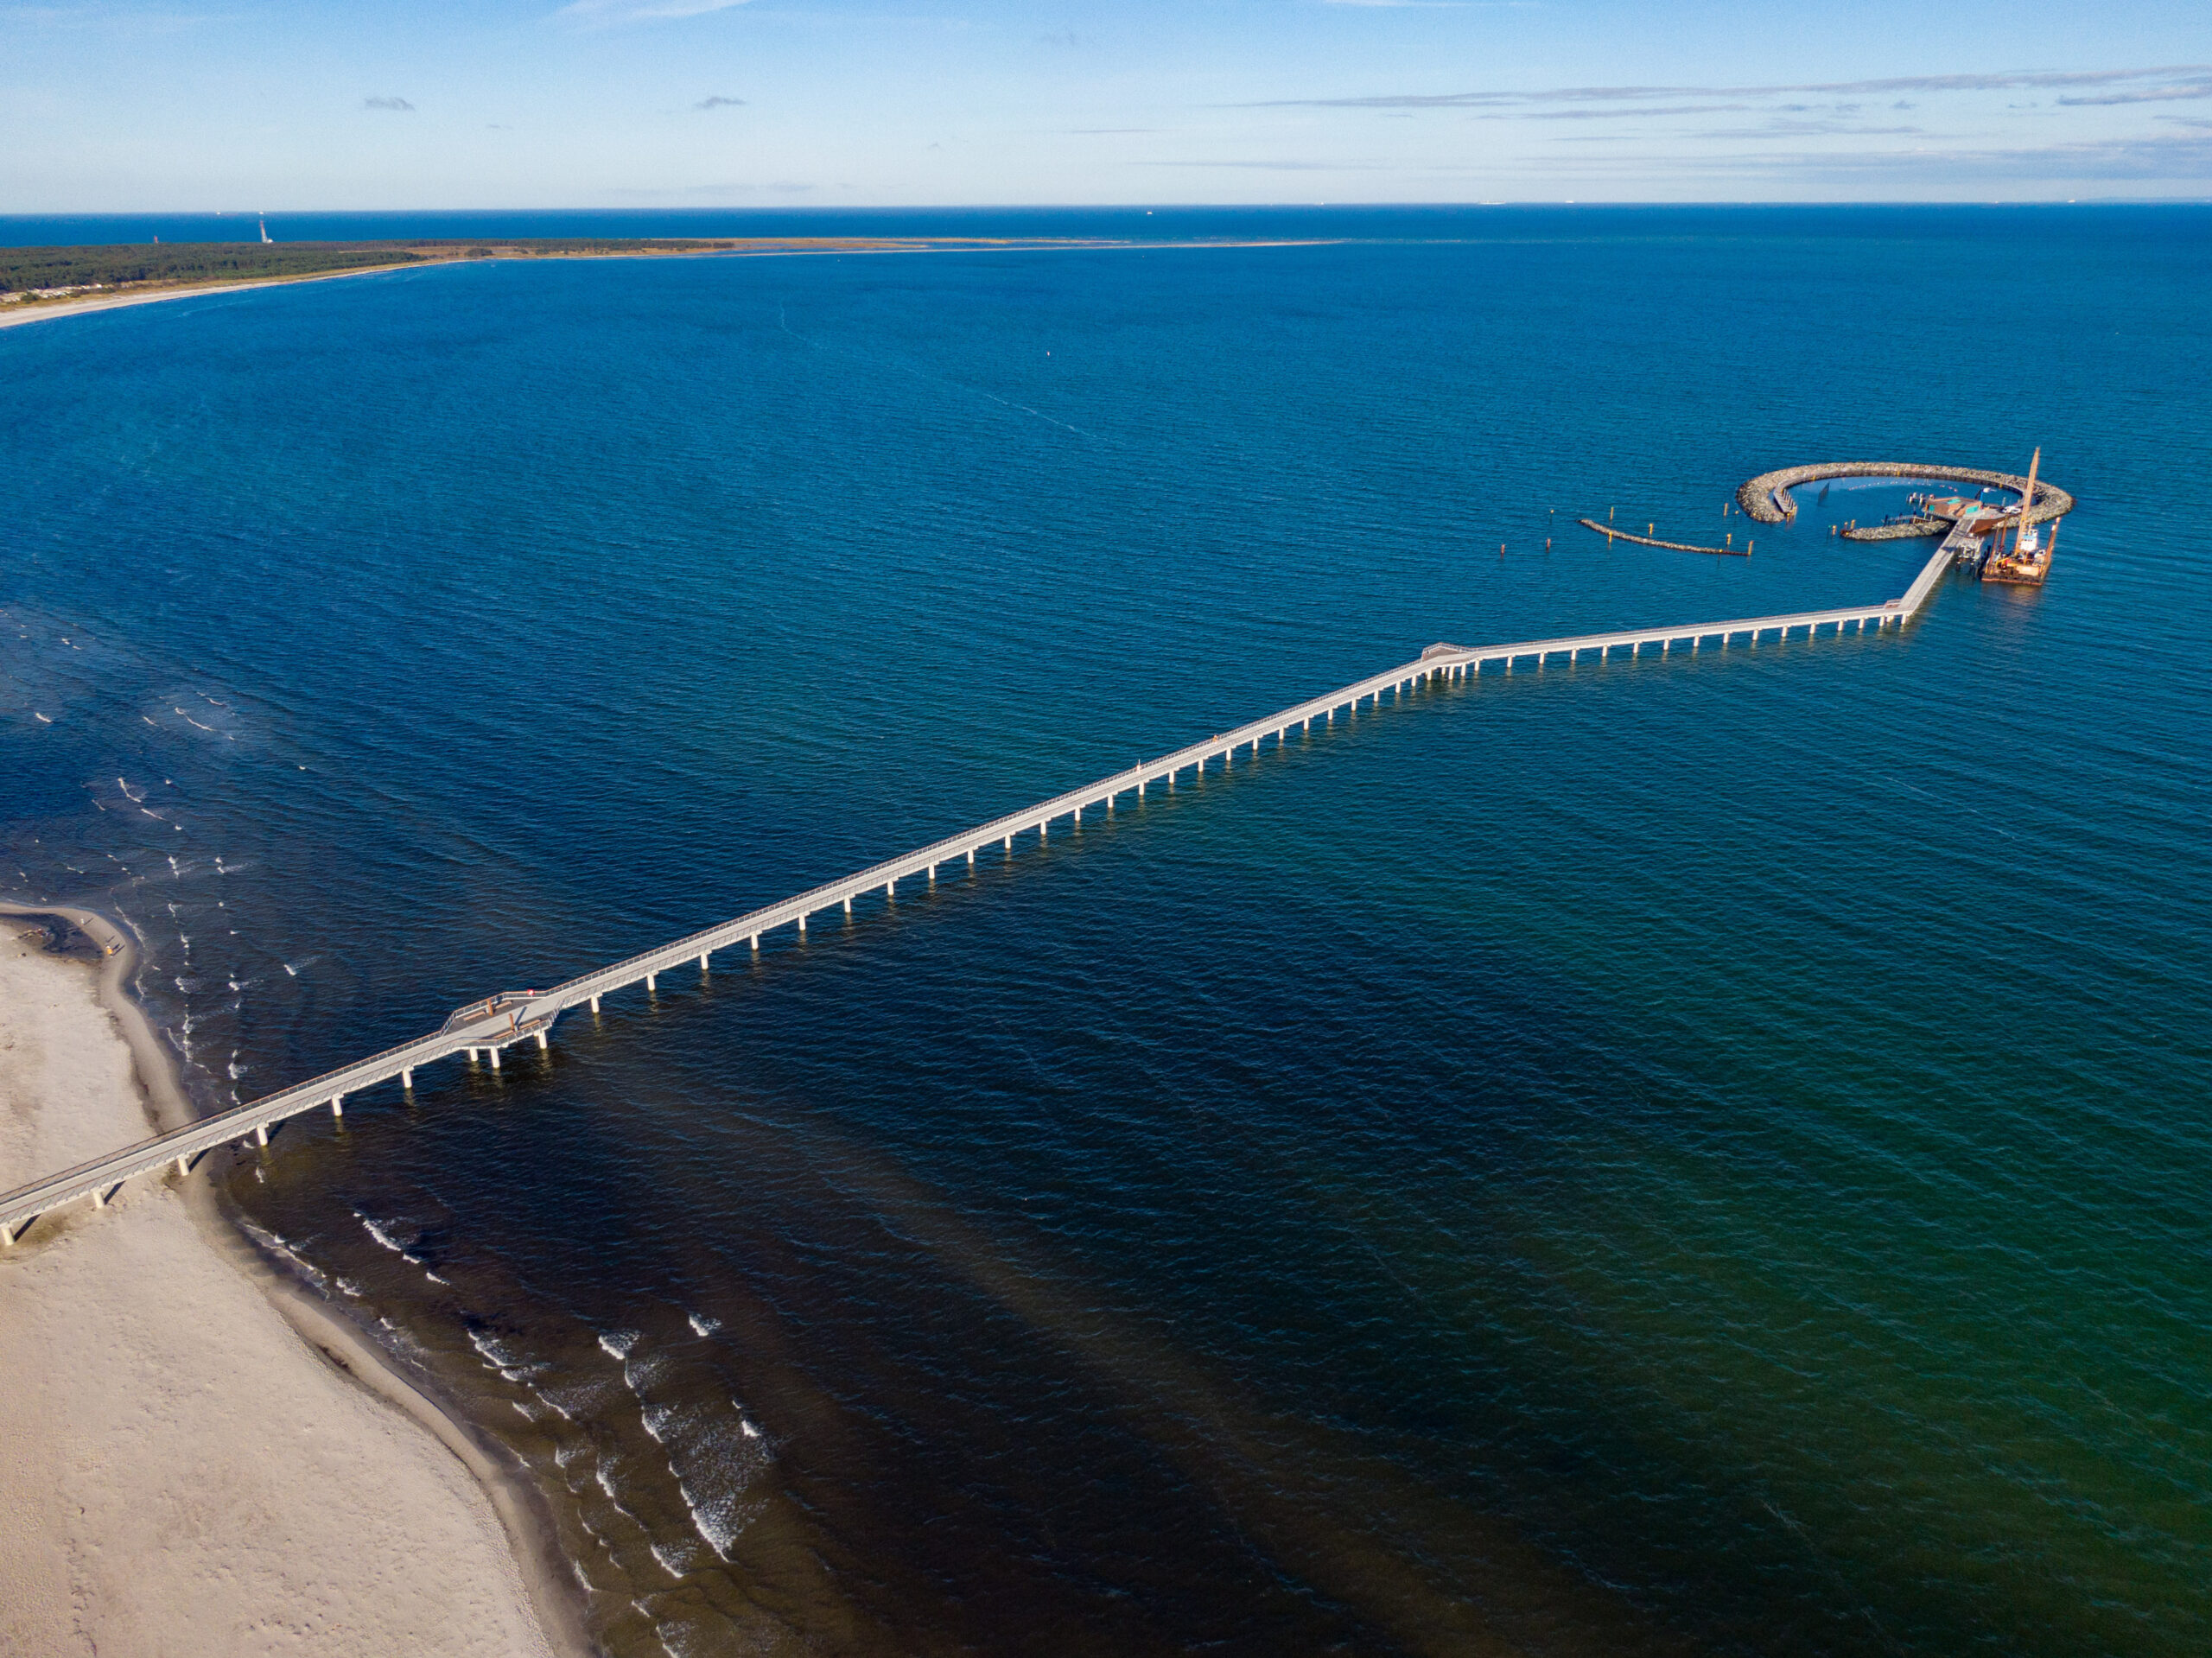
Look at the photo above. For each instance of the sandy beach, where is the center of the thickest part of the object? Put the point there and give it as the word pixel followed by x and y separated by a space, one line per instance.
pixel 195 1458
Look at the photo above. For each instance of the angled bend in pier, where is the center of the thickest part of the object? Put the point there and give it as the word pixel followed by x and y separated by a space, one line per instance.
pixel 499 1021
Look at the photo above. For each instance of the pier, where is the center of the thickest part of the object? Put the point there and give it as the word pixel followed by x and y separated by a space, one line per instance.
pixel 484 1028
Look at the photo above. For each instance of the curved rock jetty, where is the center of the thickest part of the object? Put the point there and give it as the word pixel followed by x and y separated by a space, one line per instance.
pixel 1766 497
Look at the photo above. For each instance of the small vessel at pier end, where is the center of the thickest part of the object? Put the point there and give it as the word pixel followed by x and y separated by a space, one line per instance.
pixel 2028 562
pixel 1978 528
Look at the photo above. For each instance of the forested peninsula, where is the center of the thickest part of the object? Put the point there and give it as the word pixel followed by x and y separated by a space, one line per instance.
pixel 38 275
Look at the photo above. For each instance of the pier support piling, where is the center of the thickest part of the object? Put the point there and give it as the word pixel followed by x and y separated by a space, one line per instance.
pixel 261 1134
pixel 8 1235
pixel 494 1054
pixel 651 985
pixel 542 1042
pixel 337 1107
pixel 406 1072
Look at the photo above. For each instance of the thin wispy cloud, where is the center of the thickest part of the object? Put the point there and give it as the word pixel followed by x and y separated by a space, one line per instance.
pixel 400 103
pixel 1620 115
pixel 119 20
pixel 1966 83
pixel 641 12
pixel 2162 158
pixel 2199 86
pixel 718 102
pixel 1804 130
pixel 1280 167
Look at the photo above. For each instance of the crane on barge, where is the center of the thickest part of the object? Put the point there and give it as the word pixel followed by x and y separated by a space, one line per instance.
pixel 2028 562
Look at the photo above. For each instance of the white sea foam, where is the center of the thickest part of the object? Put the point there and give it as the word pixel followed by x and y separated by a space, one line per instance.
pixel 389 1242
pixel 582 1582
pixel 276 1246
pixel 640 1373
pixel 502 1356
pixel 702 1325
pixel 350 1287
pixel 555 1403
pixel 715 1455
pixel 674 1559
pixel 683 1641
pixel 606 1484
pixel 578 1400
pixel 399 1339
pixel 618 1342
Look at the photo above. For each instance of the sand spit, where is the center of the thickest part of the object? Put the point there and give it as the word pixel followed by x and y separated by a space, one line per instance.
pixel 14 315
pixel 196 1459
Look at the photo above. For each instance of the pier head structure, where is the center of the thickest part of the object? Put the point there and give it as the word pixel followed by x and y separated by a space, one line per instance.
pixel 482 1029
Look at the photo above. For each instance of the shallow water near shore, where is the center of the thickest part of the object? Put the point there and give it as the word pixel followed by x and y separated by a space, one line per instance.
pixel 1696 1154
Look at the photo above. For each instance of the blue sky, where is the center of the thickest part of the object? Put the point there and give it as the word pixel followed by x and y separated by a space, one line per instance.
pixel 112 106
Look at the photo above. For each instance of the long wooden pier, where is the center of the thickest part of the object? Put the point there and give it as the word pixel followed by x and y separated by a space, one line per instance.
pixel 494 1023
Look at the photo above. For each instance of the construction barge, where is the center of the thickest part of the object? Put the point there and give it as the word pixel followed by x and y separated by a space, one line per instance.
pixel 1973 528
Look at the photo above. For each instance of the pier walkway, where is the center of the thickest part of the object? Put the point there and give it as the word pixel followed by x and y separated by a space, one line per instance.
pixel 497 1022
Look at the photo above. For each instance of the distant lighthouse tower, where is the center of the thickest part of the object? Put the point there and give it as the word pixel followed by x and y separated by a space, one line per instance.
pixel 264 226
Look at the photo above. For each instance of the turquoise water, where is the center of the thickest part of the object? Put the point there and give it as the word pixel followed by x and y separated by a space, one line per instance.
pixel 1686 1154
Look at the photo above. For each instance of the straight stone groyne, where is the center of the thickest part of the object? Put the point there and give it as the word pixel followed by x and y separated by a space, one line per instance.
pixel 1614 532
pixel 495 1022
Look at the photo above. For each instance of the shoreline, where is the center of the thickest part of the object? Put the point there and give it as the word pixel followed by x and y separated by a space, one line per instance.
pixel 552 1601
pixel 18 316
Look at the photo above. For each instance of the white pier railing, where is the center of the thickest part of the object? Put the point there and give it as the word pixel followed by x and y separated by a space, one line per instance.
pixel 497 1022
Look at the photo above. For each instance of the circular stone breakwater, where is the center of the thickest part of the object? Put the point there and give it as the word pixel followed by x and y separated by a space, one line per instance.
pixel 1766 497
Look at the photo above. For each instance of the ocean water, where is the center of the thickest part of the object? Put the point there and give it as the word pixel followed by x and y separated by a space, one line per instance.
pixel 1688 1154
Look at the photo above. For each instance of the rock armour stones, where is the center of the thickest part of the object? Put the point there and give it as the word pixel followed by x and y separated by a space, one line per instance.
pixel 1766 499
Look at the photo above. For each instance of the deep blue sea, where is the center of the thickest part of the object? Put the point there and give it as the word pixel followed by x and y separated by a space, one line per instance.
pixel 1692 1154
